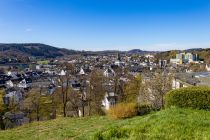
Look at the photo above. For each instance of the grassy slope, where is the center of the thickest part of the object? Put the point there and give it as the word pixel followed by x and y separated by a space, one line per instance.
pixel 167 124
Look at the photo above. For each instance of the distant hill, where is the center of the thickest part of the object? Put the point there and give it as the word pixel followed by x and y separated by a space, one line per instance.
pixel 138 51
pixel 194 49
pixel 47 51
pixel 34 49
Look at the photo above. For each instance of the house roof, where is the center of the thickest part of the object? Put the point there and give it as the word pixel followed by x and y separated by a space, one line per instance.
pixel 14 116
pixel 188 78
pixel 198 78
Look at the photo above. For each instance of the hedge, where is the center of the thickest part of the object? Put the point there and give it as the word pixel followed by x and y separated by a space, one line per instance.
pixel 189 97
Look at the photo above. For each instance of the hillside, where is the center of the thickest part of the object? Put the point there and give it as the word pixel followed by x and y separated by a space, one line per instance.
pixel 34 49
pixel 138 51
pixel 47 51
pixel 167 124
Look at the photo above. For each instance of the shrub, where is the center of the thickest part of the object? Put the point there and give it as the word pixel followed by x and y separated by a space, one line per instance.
pixel 192 97
pixel 143 109
pixel 123 110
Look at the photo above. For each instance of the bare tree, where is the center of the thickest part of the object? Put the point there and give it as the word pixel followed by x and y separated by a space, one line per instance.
pixel 95 92
pixel 119 85
pixel 133 88
pixel 33 102
pixel 153 90
pixel 64 81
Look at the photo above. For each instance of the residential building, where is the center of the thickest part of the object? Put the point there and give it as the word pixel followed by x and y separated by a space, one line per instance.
pixel 162 63
pixel 183 58
pixel 109 100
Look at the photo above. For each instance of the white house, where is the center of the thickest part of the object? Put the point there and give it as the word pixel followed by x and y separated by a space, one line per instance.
pixel 23 84
pixel 185 80
pixel 9 84
pixel 82 72
pixel 149 56
pixel 109 72
pixel 12 74
pixel 207 67
pixel 119 63
pixel 109 100
pixel 62 73
pixel 176 84
pixel 38 67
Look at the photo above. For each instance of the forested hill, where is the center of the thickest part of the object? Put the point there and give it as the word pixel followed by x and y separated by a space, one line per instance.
pixel 34 49
pixel 47 51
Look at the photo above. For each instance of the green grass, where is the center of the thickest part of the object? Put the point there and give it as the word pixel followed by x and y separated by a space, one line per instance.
pixel 168 124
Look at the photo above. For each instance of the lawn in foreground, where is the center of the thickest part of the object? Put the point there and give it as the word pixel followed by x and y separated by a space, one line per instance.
pixel 167 124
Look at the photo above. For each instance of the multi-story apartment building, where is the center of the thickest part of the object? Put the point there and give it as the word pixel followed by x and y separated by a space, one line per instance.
pixel 183 58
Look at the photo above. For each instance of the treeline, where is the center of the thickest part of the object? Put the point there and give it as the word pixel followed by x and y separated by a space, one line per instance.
pixel 35 49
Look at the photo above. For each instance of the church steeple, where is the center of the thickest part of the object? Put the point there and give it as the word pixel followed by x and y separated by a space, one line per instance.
pixel 118 57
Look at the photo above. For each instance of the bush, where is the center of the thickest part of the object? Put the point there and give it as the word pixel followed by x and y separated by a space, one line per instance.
pixel 143 109
pixel 123 110
pixel 190 97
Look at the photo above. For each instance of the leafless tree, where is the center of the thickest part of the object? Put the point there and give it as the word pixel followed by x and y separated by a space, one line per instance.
pixel 33 102
pixel 155 88
pixel 64 82
pixel 95 92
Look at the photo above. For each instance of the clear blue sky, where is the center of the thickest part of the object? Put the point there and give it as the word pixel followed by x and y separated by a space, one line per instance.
pixel 107 24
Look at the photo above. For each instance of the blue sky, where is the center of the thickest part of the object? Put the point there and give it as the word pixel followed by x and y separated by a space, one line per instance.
pixel 107 24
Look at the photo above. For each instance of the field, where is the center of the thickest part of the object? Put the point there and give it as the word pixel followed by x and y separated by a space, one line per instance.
pixel 167 124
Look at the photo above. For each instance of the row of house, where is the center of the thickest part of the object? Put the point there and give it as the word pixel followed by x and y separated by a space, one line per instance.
pixel 48 75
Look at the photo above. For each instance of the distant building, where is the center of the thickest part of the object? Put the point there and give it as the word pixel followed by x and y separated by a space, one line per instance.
pixel 184 80
pixel 82 72
pixel 162 63
pixel 109 72
pixel 119 61
pixel 191 79
pixel 149 56
pixel 9 84
pixel 109 100
pixel 23 84
pixel 14 119
pixel 208 67
pixel 183 58
pixel 62 73
pixel 13 96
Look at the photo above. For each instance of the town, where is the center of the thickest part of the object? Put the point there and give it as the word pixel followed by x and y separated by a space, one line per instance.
pixel 104 69
pixel 84 85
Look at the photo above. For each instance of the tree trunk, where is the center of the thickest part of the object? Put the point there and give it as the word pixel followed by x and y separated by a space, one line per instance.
pixel 64 109
pixel 2 123
pixel 64 104
pixel 37 114
pixel 89 108
pixel 83 108
pixel 162 102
